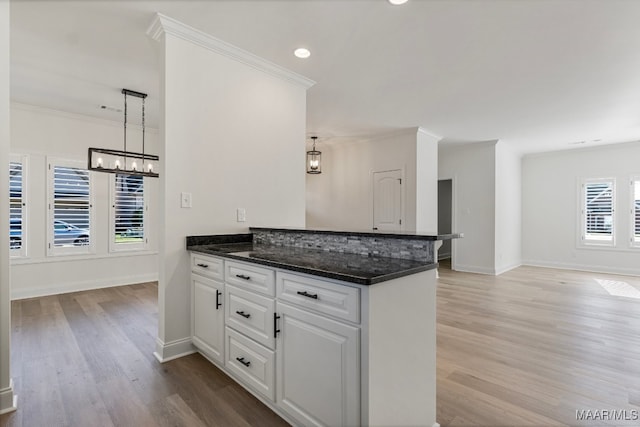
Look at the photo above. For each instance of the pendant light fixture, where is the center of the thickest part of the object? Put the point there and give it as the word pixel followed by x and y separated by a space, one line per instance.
pixel 314 159
pixel 125 162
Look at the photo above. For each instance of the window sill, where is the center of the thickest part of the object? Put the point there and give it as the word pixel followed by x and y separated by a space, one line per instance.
pixel 608 248
pixel 71 258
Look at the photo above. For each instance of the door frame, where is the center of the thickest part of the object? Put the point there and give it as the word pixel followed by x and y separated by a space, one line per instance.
pixel 454 217
pixel 403 197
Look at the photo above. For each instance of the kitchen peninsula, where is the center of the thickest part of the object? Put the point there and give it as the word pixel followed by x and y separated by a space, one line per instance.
pixel 325 327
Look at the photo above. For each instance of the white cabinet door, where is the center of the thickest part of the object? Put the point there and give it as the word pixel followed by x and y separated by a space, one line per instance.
pixel 207 327
pixel 387 200
pixel 318 363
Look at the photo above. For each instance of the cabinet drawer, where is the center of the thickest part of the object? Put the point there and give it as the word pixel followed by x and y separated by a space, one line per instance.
pixel 251 314
pixel 253 278
pixel 207 266
pixel 251 363
pixel 334 300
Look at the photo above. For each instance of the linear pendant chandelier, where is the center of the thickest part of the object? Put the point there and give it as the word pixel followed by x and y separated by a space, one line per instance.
pixel 125 162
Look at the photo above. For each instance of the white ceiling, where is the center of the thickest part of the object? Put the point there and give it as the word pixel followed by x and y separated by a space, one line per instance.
pixel 538 75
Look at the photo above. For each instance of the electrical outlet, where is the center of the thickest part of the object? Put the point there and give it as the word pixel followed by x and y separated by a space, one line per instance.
pixel 185 200
pixel 241 214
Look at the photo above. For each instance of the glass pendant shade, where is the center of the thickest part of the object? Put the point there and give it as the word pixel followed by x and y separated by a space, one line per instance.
pixel 314 159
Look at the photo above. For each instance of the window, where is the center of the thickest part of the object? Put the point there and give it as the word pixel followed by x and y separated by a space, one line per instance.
pixel 598 208
pixel 70 208
pixel 635 212
pixel 17 207
pixel 128 213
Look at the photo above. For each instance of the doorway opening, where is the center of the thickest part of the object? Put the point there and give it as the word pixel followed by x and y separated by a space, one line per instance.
pixel 446 221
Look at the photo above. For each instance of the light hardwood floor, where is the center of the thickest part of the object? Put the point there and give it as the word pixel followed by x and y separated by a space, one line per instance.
pixel 85 359
pixel 527 348
pixel 534 345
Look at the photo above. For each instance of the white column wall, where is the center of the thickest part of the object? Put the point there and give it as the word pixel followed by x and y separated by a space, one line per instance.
pixel 472 168
pixel 508 219
pixel 7 401
pixel 233 137
pixel 426 182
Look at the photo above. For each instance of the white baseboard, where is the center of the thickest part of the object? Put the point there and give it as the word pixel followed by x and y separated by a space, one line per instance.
pixel 443 256
pixel 8 400
pixel 583 267
pixel 506 268
pixel 173 349
pixel 474 269
pixel 486 270
pixel 63 288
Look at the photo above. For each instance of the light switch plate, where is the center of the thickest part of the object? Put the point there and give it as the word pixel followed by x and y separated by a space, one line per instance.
pixel 185 200
pixel 241 214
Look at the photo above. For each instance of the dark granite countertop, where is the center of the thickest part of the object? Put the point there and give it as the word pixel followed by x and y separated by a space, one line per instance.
pixel 363 270
pixel 368 233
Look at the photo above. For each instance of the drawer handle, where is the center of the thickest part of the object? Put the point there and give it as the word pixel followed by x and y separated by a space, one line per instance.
pixel 203 265
pixel 244 362
pixel 242 276
pixel 307 294
pixel 243 314
pixel 218 303
pixel 275 325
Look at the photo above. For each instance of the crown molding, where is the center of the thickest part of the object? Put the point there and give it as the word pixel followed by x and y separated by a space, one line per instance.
pixel 76 116
pixel 427 132
pixel 164 25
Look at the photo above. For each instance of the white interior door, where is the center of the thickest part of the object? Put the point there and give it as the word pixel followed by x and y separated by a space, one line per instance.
pixel 387 200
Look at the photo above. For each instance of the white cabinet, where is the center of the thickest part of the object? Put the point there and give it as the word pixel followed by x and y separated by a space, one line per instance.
pixel 320 352
pixel 207 322
pixel 318 380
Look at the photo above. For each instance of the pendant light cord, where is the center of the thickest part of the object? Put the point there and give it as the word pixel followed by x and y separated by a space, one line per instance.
pixel 143 134
pixel 125 129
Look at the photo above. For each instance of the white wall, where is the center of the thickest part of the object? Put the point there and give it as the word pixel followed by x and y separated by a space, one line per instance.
pixel 508 218
pixel 472 168
pixel 426 164
pixel 551 214
pixel 39 133
pixel 233 136
pixel 6 390
pixel 341 197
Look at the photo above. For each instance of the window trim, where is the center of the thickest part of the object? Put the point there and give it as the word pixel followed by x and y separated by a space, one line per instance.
pixel 127 247
pixel 23 251
pixel 632 211
pixel 51 250
pixel 582 215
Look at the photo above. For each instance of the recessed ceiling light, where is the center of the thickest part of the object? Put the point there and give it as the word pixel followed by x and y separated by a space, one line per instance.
pixel 398 2
pixel 302 53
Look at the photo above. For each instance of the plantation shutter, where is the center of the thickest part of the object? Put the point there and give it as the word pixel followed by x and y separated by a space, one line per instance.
pixel 598 211
pixel 129 207
pixel 15 205
pixel 71 206
pixel 635 211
